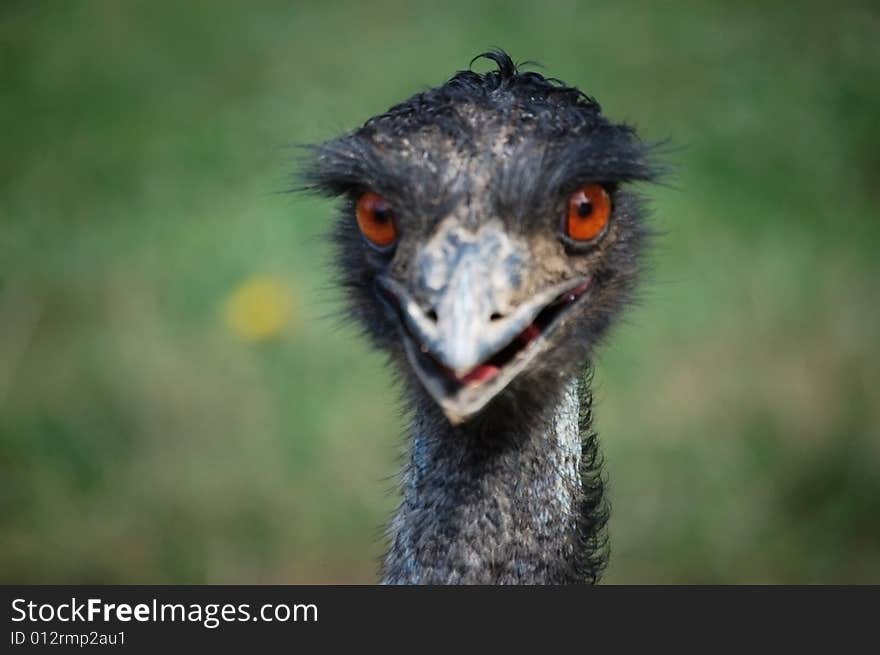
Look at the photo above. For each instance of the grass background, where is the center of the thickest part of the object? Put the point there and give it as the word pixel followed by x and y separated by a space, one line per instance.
pixel 148 435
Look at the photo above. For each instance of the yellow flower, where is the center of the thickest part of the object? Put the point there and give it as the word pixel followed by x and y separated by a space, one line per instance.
pixel 258 309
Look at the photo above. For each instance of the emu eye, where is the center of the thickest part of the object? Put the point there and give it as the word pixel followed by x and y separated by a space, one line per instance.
pixel 588 210
pixel 376 220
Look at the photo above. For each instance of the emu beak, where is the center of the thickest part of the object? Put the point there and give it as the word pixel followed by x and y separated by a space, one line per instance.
pixel 468 342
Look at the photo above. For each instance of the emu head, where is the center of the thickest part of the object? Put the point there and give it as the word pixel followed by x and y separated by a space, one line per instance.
pixel 487 235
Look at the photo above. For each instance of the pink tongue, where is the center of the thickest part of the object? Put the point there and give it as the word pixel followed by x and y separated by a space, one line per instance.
pixel 480 374
pixel 485 372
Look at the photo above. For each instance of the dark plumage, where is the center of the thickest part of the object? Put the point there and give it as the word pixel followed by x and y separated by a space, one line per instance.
pixel 490 310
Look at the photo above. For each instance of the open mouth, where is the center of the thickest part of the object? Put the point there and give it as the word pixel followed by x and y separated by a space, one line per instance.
pixel 463 394
pixel 492 367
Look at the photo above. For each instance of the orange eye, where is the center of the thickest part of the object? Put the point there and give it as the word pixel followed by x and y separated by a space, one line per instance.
pixel 376 220
pixel 588 210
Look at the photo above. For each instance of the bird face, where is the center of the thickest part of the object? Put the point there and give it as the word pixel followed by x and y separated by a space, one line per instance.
pixel 487 237
pixel 474 316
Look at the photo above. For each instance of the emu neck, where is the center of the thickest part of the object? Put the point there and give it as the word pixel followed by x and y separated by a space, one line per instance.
pixel 484 506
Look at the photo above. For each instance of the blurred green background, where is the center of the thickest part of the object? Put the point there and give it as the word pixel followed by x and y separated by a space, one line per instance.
pixel 175 407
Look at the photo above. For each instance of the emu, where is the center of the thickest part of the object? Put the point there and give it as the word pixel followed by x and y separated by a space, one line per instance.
pixel 487 237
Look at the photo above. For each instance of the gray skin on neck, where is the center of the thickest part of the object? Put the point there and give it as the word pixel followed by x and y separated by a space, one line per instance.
pixel 491 509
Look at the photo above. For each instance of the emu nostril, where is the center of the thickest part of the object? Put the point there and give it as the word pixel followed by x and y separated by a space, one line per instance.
pixel 496 316
pixel 431 314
